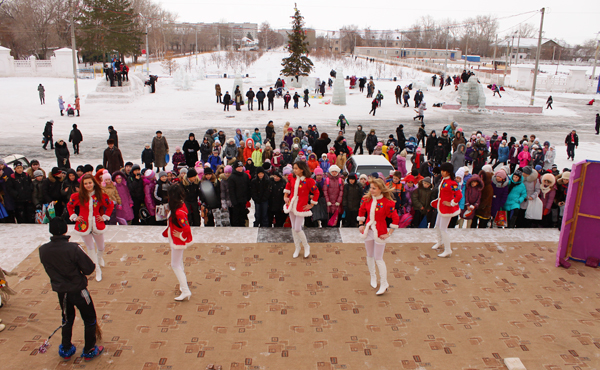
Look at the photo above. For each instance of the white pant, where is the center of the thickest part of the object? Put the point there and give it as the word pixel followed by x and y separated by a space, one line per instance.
pixel 374 248
pixel 441 225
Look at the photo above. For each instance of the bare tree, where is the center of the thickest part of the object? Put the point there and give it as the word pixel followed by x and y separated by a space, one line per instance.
pixel 527 30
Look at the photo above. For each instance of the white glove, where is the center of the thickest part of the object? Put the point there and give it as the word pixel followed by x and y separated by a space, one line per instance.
pixel 73 217
pixel 106 218
pixel 337 204
pixel 328 204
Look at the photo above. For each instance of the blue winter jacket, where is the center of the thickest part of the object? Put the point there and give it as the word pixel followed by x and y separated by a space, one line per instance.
pixel 215 161
pixel 257 138
pixel 324 165
pixel 503 153
pixel 516 196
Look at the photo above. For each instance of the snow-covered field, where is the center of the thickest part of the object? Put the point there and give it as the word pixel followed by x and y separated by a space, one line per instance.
pixel 177 112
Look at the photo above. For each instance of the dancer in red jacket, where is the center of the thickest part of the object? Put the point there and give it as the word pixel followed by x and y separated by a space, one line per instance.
pixel 375 207
pixel 447 207
pixel 95 208
pixel 180 236
pixel 298 203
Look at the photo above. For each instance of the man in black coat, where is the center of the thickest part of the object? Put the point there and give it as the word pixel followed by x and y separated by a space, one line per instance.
pixel 571 142
pixel 112 160
pixel 190 150
pixel 75 137
pixel 67 266
pixel 401 138
pixel 226 101
pixel 48 135
pixel 276 202
pixel 259 189
pixel 135 184
pixel 52 189
pixel 271 97
pixel 20 189
pixel 260 97
pixel 112 135
pixel 239 193
pixel 250 95
pixel 597 123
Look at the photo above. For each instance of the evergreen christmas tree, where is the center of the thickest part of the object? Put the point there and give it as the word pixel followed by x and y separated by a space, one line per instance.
pixel 298 63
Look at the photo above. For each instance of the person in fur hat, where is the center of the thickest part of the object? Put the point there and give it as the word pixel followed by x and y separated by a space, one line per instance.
pixel 125 208
pixel 376 206
pixel 108 188
pixel 547 194
pixel 447 207
pixel 334 190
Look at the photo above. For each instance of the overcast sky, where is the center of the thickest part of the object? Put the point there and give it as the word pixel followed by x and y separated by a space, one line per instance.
pixel 573 22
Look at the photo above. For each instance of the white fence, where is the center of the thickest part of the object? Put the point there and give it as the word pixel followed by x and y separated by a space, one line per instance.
pixel 59 65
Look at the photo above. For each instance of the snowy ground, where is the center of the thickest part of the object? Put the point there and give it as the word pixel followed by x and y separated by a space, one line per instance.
pixel 178 112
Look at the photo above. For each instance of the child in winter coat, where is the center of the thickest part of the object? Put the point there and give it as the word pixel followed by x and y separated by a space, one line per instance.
pixel 397 188
pixel 277 159
pixel 353 194
pixel 516 195
pixel 257 156
pixel 401 162
pixel 149 185
pixel 524 157
pixel 341 160
pixel 125 211
pixel 147 157
pixel 249 149
pixel 503 152
pixel 312 162
pixel 178 159
pixel 324 163
pixel 409 187
pixel 110 190
pixel 257 137
pixel 214 160
pixel 421 202
pixel 331 156
pixel 333 190
pixel 500 187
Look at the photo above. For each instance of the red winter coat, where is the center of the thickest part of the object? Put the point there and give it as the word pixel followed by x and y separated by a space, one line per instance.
pixel 299 191
pixel 89 211
pixel 185 238
pixel 449 192
pixel 374 212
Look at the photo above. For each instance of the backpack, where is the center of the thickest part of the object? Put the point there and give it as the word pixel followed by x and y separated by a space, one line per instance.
pixel 405 220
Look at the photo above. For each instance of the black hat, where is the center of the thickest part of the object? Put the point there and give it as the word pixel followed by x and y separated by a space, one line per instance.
pixel 238 164
pixel 447 166
pixel 88 168
pixel 352 176
pixel 260 170
pixel 17 164
pixel 99 167
pixel 278 174
pixel 111 128
pixel 207 171
pixel 110 141
pixel 135 167
pixel 56 171
pixel 80 168
pixel 192 173
pixel 58 226
pixel 74 125
pixel 159 132
pixel 518 173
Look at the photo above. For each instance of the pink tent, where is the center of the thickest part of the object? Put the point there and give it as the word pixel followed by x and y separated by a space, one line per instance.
pixel 580 232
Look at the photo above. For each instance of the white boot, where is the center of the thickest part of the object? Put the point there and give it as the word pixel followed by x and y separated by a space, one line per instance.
pixel 100 257
pixel 302 237
pixel 183 286
pixel 372 271
pixel 383 283
pixel 447 251
pixel 296 244
pixel 93 256
pixel 436 246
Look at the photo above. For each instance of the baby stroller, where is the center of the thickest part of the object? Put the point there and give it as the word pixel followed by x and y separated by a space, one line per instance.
pixel 411 144
pixel 279 92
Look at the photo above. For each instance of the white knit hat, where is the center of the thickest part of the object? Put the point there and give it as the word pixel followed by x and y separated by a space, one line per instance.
pixel 334 168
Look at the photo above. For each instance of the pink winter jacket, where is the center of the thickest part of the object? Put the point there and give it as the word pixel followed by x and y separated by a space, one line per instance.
pixel 524 158
pixel 334 192
pixel 401 162
pixel 149 185
pixel 548 198
pixel 331 157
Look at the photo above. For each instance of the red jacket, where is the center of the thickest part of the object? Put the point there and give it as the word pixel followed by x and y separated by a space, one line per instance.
pixel 184 228
pixel 299 191
pixel 449 192
pixel 375 213
pixel 89 211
